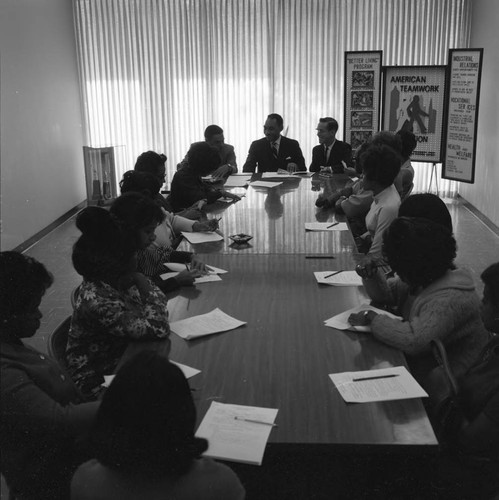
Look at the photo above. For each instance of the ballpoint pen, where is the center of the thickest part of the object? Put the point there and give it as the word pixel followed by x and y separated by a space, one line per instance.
pixel 335 224
pixel 333 274
pixel 255 421
pixel 375 378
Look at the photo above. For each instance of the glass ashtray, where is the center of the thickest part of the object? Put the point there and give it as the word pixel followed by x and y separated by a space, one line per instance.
pixel 240 238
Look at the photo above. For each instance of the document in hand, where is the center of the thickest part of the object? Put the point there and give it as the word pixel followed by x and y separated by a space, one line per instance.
pixel 237 181
pixel 186 370
pixel 195 238
pixel 215 321
pixel 237 433
pixel 385 384
pixel 338 278
pixel 340 321
pixel 326 226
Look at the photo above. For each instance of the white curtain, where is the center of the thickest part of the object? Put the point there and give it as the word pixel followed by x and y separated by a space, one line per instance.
pixel 155 73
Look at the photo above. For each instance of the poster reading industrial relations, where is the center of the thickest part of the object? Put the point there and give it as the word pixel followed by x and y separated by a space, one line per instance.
pixel 465 69
pixel 362 96
pixel 414 99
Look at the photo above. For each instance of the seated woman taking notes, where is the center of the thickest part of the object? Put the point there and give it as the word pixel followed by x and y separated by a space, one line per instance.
pixel 114 304
pixel 144 441
pixel 434 298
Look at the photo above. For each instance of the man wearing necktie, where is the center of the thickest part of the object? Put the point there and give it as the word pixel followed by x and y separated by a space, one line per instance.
pixel 330 152
pixel 274 151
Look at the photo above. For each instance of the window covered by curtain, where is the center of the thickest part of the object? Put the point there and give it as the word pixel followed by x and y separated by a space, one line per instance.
pixel 155 73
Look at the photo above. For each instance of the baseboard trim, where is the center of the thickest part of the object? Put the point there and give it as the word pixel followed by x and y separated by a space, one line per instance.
pixel 40 234
pixel 479 215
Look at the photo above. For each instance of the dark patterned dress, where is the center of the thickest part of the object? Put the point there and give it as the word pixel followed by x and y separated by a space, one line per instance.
pixel 103 323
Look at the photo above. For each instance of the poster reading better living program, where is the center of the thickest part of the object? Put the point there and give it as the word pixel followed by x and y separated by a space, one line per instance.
pixel 414 99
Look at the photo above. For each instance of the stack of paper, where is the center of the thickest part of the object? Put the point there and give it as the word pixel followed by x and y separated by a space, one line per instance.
pixel 338 278
pixel 326 226
pixel 385 384
pixel 237 433
pixel 281 174
pixel 215 321
pixel 340 321
pixel 265 184
pixel 204 237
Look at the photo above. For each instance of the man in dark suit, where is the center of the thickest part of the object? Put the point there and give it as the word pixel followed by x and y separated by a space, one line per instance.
pixel 274 151
pixel 330 152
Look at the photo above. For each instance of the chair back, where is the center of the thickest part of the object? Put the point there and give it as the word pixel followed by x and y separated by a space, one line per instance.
pixel 74 295
pixel 57 342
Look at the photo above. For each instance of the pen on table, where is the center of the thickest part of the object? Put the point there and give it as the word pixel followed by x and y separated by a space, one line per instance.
pixel 320 257
pixel 332 274
pixel 255 421
pixel 335 224
pixel 187 266
pixel 375 378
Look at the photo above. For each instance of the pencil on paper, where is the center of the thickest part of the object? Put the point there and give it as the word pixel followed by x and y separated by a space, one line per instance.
pixel 332 274
pixel 255 421
pixel 374 378
pixel 335 224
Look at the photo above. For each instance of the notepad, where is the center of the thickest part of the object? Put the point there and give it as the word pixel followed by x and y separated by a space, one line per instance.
pixel 384 384
pixel 188 372
pixel 233 439
pixel 282 174
pixel 204 237
pixel 265 184
pixel 177 267
pixel 338 278
pixel 326 226
pixel 340 321
pixel 215 321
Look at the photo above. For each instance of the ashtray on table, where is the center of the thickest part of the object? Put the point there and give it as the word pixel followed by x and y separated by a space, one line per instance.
pixel 240 238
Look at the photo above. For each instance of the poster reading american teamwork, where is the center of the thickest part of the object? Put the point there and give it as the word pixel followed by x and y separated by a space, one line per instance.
pixel 414 99
pixel 362 96
pixel 465 68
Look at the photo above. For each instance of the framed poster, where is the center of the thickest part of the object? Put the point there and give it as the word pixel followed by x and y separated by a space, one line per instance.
pixel 414 99
pixel 464 75
pixel 362 96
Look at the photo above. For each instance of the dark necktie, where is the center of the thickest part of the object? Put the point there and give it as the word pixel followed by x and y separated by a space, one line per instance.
pixel 325 154
pixel 274 149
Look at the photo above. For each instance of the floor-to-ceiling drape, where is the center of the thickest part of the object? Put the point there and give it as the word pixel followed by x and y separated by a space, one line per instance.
pixel 155 73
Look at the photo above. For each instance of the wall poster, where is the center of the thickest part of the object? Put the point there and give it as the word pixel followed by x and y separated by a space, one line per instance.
pixel 414 99
pixel 362 96
pixel 465 70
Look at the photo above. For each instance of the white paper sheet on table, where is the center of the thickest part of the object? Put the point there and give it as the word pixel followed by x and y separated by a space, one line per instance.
pixel 215 321
pixel 341 278
pixel 265 184
pixel 340 321
pixel 237 181
pixel 304 173
pixel 324 226
pixel 236 440
pixel 188 372
pixel 395 383
pixel 204 237
pixel 277 175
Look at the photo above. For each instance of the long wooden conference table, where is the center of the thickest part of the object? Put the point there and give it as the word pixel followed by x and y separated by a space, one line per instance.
pixel 282 357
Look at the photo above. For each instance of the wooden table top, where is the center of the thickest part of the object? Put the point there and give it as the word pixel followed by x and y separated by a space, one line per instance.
pixel 282 357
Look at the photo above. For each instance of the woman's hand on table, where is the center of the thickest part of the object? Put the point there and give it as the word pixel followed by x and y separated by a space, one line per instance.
pixel 362 318
pixel 199 266
pixel 231 196
pixel 209 225
pixel 187 277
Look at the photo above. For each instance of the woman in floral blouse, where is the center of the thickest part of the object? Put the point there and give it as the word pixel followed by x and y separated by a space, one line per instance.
pixel 114 304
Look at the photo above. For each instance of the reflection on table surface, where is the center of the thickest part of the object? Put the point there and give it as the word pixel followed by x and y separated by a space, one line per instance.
pixel 282 357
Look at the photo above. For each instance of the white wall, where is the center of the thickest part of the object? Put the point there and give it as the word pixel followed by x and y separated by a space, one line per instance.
pixel 41 160
pixel 484 194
